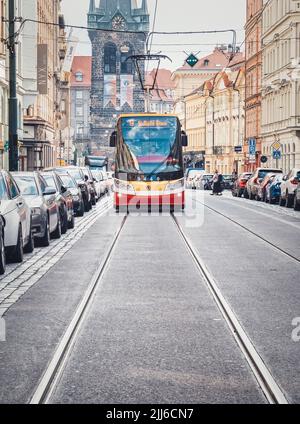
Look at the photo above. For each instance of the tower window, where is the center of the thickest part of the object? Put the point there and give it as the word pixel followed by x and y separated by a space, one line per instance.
pixel 126 65
pixel 110 59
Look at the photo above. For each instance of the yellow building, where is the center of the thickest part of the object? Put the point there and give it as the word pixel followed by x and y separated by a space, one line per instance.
pixel 215 122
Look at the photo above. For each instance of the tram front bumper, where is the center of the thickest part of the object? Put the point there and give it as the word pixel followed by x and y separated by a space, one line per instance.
pixel 131 200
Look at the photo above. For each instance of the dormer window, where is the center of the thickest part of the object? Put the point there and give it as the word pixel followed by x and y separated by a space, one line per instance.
pixel 206 62
pixel 79 76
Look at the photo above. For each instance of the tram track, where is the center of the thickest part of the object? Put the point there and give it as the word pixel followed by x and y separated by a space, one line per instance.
pixel 233 221
pixel 55 367
pixel 265 379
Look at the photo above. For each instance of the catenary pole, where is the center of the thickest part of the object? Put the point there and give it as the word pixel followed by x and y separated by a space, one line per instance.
pixel 13 100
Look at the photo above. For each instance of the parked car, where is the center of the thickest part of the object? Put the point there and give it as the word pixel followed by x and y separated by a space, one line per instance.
pixel 228 182
pixel 79 177
pixel 2 247
pixel 91 184
pixel 204 182
pixel 239 185
pixel 273 190
pixel 288 187
pixel 18 236
pixel 110 181
pixel 297 195
pixel 191 177
pixel 100 183
pixel 41 200
pixel 256 179
pixel 261 192
pixel 72 186
pixel 64 200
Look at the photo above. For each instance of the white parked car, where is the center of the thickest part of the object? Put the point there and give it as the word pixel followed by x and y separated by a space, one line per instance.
pixel 18 236
pixel 288 188
pixel 100 183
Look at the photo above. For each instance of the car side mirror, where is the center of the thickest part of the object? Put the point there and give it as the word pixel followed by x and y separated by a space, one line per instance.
pixel 184 139
pixel 49 191
pixel 86 178
pixel 113 139
pixel 63 189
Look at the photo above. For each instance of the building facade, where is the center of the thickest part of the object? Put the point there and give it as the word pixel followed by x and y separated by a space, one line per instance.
pixel 81 104
pixel 115 83
pixel 281 83
pixel 162 95
pixel 41 147
pixel 253 69
pixel 225 122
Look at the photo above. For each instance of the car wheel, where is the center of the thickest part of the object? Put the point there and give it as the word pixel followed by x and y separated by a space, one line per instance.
pixel 29 248
pixel 57 233
pixel 2 256
pixel 64 220
pixel 251 196
pixel 71 224
pixel 45 240
pixel 94 202
pixel 289 200
pixel 296 204
pixel 18 253
pixel 282 201
pixel 80 211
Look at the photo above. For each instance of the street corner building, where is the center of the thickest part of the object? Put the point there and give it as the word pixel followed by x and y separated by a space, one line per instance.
pixel 115 86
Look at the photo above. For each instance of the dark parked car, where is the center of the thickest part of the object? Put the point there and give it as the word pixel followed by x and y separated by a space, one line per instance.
pixel 2 247
pixel 63 198
pixel 239 185
pixel 41 200
pixel 73 187
pixel 228 182
pixel 79 177
pixel 262 189
pixel 273 189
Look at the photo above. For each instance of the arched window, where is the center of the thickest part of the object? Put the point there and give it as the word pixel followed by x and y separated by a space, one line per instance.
pixel 110 59
pixel 126 65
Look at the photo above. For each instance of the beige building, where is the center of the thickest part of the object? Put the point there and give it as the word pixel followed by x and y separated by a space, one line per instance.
pixel 3 86
pixel 225 122
pixel 281 83
pixel 41 146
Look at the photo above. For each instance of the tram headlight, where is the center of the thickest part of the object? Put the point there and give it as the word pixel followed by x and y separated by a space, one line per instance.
pixel 123 187
pixel 175 187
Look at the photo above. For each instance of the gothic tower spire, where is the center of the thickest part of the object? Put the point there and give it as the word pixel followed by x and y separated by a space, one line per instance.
pixel 92 6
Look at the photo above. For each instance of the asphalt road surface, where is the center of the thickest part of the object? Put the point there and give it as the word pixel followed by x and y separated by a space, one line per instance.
pixel 153 333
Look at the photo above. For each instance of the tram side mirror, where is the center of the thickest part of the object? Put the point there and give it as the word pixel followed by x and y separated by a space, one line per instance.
pixel 184 139
pixel 113 139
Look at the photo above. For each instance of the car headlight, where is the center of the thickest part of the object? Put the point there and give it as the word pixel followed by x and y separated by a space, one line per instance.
pixel 123 187
pixel 35 211
pixel 176 186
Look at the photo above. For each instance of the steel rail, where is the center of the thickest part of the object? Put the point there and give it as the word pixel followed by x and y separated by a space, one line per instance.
pixel 53 372
pixel 274 246
pixel 266 381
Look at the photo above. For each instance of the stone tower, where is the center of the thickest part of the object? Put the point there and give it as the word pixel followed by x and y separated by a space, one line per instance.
pixel 115 84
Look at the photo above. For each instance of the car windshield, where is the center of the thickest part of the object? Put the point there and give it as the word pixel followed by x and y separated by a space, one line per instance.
pixel 3 192
pixel 194 173
pixel 263 172
pixel 207 177
pixel 68 182
pixel 96 174
pixel 50 181
pixel 227 177
pixel 75 173
pixel 27 185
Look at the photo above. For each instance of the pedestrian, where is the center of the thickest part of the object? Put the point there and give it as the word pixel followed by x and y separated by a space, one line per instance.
pixel 215 183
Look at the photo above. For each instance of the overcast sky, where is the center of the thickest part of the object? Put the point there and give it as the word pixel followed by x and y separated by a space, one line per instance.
pixel 175 15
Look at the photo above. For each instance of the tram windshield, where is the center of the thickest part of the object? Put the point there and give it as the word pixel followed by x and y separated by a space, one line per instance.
pixel 150 148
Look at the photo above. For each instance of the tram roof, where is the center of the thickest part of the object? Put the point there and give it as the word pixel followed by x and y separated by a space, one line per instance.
pixel 159 115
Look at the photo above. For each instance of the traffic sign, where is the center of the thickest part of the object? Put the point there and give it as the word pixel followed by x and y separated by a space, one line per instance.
pixel 276 154
pixel 252 146
pixel 192 60
pixel 264 159
pixel 238 149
